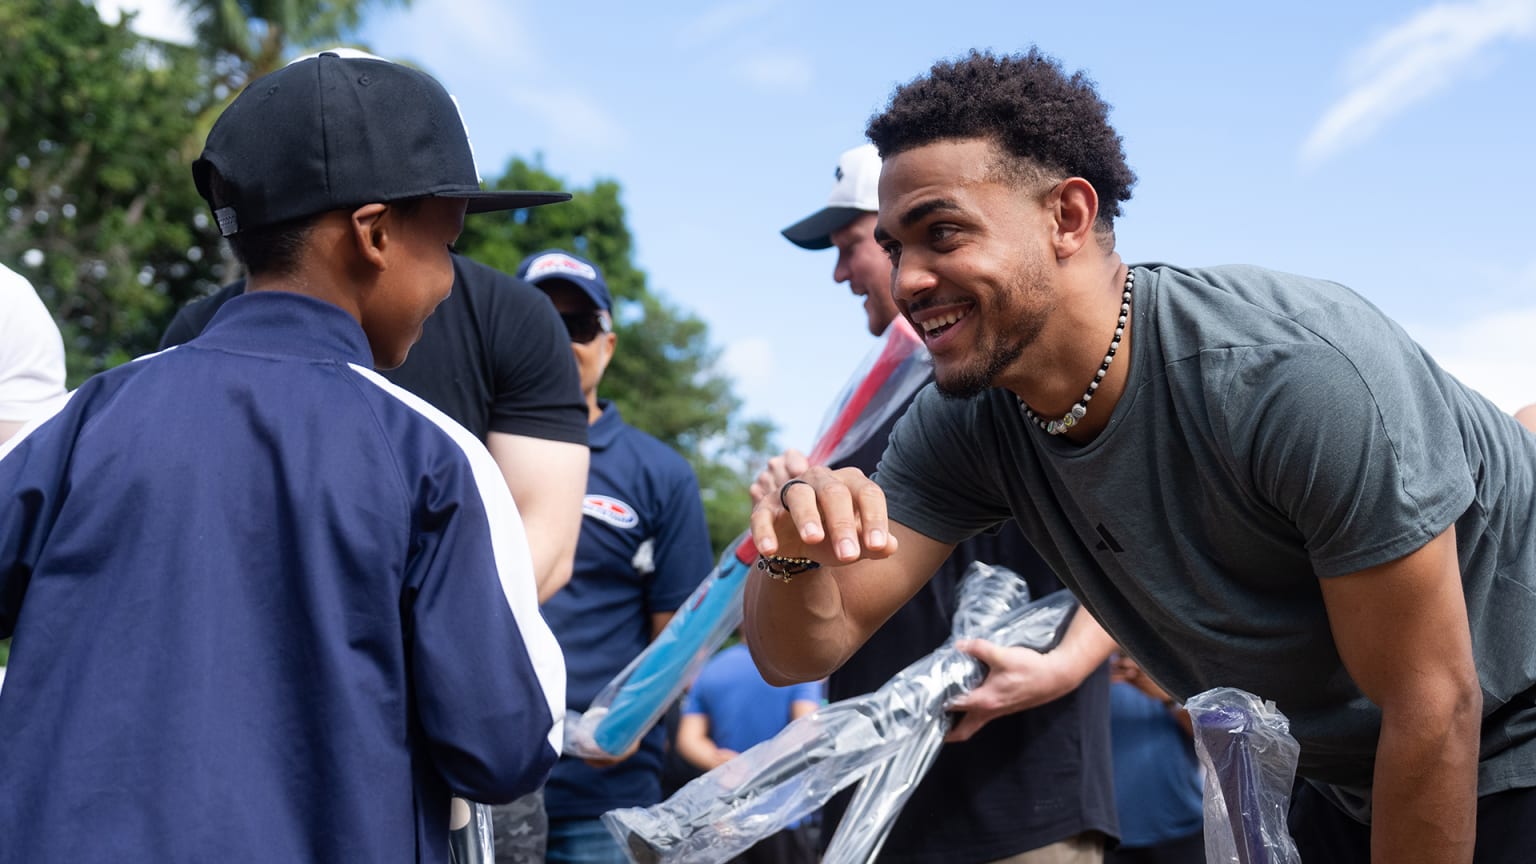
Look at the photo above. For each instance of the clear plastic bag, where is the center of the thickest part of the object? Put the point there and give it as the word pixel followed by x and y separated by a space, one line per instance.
pixel 1250 758
pixel 629 705
pixel 888 739
pixel 470 838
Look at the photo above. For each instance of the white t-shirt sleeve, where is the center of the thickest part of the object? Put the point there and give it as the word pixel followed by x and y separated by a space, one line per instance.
pixel 31 352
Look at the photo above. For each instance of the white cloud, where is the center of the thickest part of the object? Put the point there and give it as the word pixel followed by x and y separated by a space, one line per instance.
pixel 572 117
pixel 157 19
pixel 729 28
pixel 507 76
pixel 496 29
pixel 776 72
pixel 721 19
pixel 1491 355
pixel 1413 61
pixel 520 86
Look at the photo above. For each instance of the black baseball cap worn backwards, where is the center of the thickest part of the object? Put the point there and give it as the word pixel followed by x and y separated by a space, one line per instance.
pixel 330 133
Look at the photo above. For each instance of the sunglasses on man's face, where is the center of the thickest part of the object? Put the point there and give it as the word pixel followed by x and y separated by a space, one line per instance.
pixel 585 326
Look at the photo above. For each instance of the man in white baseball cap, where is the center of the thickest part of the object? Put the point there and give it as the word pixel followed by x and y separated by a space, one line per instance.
pixel 848 224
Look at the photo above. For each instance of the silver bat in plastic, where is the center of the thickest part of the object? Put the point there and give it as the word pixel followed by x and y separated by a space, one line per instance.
pixel 887 738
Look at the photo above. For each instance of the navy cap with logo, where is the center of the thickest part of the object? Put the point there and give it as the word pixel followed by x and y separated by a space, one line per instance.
pixel 557 265
pixel 329 133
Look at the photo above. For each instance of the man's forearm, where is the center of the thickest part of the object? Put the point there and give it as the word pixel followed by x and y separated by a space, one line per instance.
pixel 1424 806
pixel 803 629
pixel 1084 648
pixel 796 630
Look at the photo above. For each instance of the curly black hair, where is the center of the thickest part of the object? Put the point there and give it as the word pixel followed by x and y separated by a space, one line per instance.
pixel 1054 125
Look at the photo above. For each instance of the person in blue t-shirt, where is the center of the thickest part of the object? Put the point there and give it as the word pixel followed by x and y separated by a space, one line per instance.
pixel 731 709
pixel 644 547
pixel 1157 775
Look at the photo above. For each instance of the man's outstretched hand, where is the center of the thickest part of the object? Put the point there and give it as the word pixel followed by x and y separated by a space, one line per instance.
pixel 833 517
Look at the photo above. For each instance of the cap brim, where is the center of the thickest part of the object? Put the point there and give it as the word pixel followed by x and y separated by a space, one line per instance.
pixel 490 201
pixel 815 230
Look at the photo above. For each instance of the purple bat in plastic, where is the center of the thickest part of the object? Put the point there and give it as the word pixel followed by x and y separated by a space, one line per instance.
pixel 1250 758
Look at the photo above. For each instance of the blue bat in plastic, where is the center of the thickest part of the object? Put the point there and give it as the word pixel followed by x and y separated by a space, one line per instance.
pixel 707 617
pixel 634 700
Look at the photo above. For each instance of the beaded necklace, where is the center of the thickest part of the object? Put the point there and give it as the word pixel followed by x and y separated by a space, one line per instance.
pixel 1078 411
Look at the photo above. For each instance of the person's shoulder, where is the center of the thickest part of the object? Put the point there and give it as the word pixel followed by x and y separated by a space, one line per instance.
pixel 23 307
pixel 1222 314
pixel 727 665
pixel 487 281
pixel 1277 292
pixel 404 416
pixel 204 307
pixel 520 322
pixel 13 285
pixel 654 455
pixel 191 319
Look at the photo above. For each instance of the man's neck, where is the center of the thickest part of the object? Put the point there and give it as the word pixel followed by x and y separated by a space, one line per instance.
pixel 1064 363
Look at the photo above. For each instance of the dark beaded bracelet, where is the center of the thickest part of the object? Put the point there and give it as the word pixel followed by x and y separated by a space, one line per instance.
pixel 784 568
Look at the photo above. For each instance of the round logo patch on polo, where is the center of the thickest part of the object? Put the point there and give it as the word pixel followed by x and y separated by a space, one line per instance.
pixel 610 510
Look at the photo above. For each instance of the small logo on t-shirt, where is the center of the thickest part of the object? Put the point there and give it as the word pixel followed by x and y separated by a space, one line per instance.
pixel 610 510
pixel 1108 543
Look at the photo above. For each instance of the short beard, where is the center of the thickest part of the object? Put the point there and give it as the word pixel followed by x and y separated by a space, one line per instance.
pixel 965 384
pixel 969 383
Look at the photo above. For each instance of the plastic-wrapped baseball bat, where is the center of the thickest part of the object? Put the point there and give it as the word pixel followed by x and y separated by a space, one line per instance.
pixel 630 704
pixel 470 840
pixel 1250 759
pixel 887 739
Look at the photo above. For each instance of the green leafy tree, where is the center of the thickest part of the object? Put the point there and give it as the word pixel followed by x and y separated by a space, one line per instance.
pixel 664 375
pixel 245 39
pixel 98 128
pixel 100 212
pixel 257 35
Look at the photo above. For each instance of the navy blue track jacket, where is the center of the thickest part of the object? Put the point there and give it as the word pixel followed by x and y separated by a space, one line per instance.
pixel 266 606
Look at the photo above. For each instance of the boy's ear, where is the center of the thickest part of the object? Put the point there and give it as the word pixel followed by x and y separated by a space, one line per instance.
pixel 370 235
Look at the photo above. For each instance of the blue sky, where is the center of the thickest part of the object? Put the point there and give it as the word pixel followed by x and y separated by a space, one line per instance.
pixel 1385 145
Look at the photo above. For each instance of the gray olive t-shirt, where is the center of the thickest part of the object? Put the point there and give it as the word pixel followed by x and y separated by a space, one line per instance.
pixel 1274 430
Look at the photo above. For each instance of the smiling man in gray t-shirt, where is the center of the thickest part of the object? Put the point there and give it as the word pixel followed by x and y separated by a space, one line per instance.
pixel 1251 479
pixel 1274 431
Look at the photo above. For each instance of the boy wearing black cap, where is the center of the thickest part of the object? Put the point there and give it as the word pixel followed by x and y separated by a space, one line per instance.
pixel 493 357
pixel 265 605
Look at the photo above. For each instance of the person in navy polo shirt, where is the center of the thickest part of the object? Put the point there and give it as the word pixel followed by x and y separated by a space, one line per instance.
pixel 266 605
pixel 644 547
